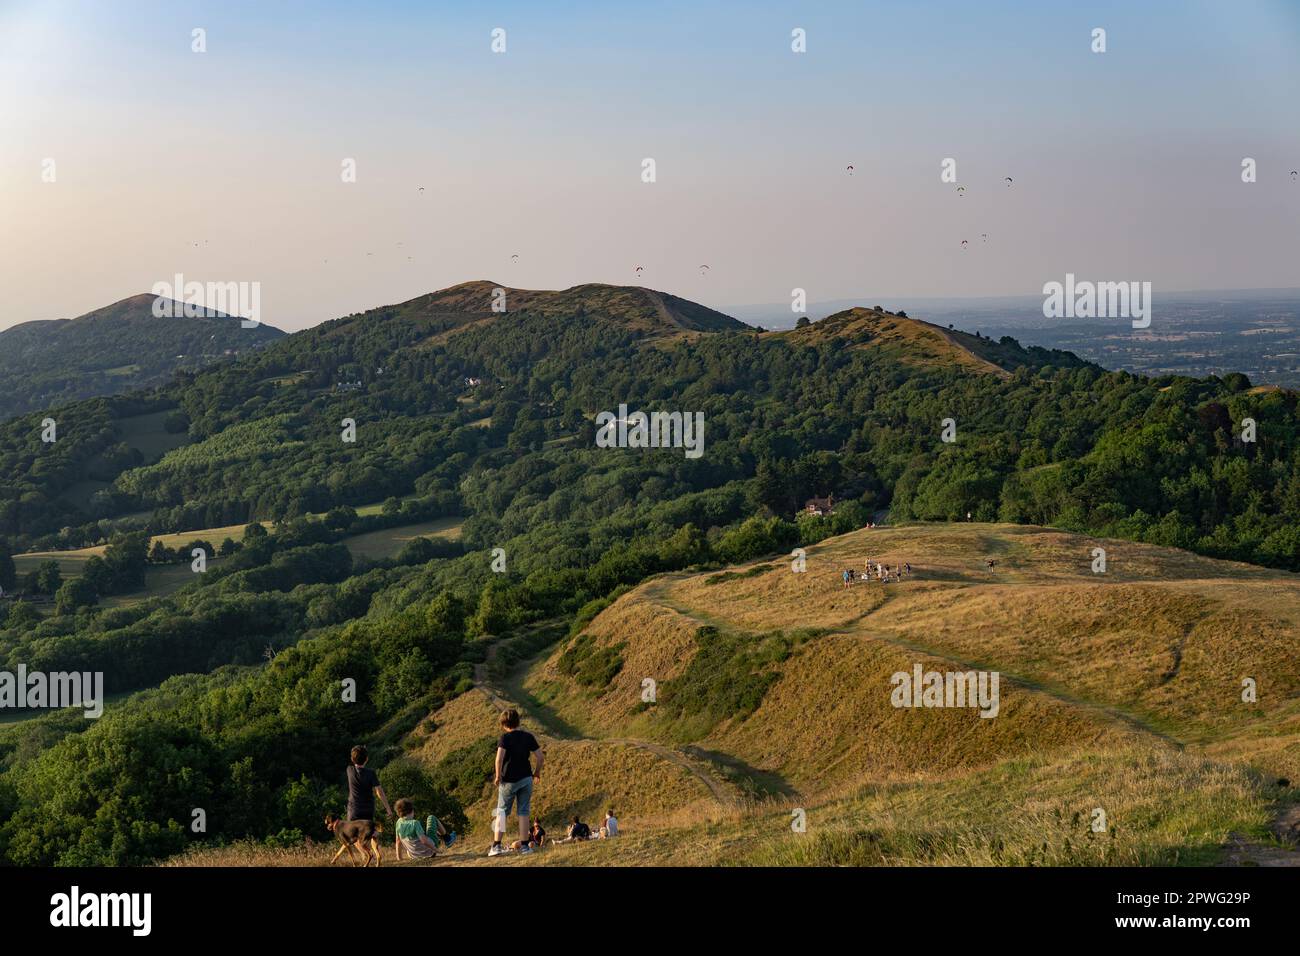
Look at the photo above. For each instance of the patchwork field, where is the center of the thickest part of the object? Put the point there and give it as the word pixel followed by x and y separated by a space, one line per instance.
pixel 389 541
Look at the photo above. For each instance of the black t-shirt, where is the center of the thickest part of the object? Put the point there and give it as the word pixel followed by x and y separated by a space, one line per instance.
pixel 361 792
pixel 518 745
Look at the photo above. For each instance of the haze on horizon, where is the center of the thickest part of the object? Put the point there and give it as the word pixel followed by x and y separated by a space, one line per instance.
pixel 1125 165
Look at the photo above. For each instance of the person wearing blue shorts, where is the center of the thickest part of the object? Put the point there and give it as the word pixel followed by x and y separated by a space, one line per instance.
pixel 514 779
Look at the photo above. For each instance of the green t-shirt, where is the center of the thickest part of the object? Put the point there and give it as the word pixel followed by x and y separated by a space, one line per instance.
pixel 409 831
pixel 409 828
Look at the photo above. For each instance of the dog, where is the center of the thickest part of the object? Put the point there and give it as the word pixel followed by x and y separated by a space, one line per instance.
pixel 354 834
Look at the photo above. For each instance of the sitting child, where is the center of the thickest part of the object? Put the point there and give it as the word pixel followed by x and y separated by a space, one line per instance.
pixel 610 828
pixel 414 838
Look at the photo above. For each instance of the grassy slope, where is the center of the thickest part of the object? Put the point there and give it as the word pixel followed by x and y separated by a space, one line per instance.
pixel 1120 692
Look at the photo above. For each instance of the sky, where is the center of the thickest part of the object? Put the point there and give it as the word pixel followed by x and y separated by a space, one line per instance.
pixel 226 165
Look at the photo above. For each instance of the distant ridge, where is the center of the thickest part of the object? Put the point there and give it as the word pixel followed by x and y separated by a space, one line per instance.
pixel 469 304
pixel 114 349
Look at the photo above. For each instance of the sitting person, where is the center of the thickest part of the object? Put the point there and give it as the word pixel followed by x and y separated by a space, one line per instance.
pixel 610 828
pixel 577 831
pixel 536 837
pixel 413 837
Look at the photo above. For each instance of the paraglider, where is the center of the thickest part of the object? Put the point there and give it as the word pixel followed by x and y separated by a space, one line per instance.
pixel 1008 181
pixel 984 236
pixel 421 190
pixel 850 170
pixel 961 191
pixel 963 243
pixel 639 270
pixel 515 257
pixel 703 269
pixel 1294 174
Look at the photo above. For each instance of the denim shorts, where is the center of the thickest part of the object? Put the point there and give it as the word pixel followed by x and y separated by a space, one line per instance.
pixel 520 792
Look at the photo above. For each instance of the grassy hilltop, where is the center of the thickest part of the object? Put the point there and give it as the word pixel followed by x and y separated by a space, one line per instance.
pixel 1120 691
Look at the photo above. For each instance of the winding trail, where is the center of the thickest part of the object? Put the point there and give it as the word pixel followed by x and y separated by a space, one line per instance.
pixel 1238 851
pixel 500 698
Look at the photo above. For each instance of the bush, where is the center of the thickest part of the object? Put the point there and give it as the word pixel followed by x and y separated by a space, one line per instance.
pixel 406 778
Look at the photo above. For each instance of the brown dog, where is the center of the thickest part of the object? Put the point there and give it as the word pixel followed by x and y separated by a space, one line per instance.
pixel 353 834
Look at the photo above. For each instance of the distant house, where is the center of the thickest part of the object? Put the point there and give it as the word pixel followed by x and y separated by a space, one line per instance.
pixel 470 382
pixel 348 386
pixel 820 506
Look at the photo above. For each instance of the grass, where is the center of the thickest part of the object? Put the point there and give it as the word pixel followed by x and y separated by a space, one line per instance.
pixel 389 541
pixel 1119 693
pixel 147 434
pixel 162 580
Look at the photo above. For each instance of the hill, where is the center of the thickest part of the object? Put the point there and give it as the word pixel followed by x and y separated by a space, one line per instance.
pixel 111 350
pixel 429 320
pixel 914 342
pixel 1119 691
pixel 345 449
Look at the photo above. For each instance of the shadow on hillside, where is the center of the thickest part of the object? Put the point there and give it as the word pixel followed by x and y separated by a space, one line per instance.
pixel 549 721
pixel 751 781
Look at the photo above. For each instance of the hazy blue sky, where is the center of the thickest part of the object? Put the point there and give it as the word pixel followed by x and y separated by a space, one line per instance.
pixel 1126 165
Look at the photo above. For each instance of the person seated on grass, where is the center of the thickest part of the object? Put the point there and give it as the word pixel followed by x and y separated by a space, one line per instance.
pixel 414 837
pixel 610 827
pixel 578 831
pixel 536 838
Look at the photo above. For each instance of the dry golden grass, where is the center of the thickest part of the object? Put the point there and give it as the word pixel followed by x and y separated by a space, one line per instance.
pixel 460 722
pixel 911 341
pixel 586 777
pixel 1156 647
pixel 659 643
pixel 1119 692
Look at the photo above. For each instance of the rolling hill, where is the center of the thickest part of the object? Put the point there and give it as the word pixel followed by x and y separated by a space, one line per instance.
pixel 357 446
pixel 111 350
pixel 1119 691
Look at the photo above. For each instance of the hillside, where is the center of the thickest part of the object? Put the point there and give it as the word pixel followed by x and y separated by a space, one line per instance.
pixel 917 343
pixel 425 507
pixel 430 319
pixel 109 351
pixel 1119 691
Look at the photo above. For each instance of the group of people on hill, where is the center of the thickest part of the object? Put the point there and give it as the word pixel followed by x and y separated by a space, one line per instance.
pixel 514 779
pixel 418 840
pixel 883 573
pixel 514 776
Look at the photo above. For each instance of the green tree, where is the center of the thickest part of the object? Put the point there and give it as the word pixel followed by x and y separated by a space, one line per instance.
pixel 8 573
pixel 48 577
pixel 75 594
